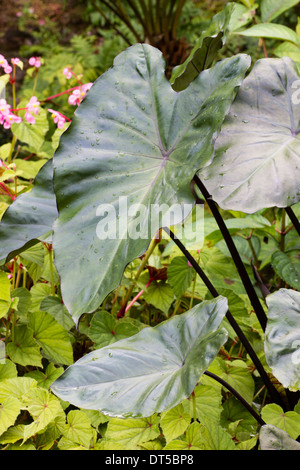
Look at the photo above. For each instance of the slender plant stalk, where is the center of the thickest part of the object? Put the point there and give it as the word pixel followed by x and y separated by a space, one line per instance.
pixel 24 277
pixel 142 20
pixel 237 395
pixel 18 277
pixel 157 17
pixel 282 234
pixel 164 20
pixel 256 261
pixel 260 313
pixel 112 25
pixel 293 218
pixel 122 18
pixel 150 10
pixel 273 392
pixel 50 251
pixel 13 324
pixel 194 284
pixel 35 81
pixel 147 17
pixel 194 406
pixel 139 271
pixel 168 21
pixel 176 18
pixel 12 146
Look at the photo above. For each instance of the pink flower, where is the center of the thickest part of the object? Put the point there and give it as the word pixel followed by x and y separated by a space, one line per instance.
pixel 7 69
pixel 58 118
pixel 35 62
pixel 29 118
pixel 74 98
pixel 33 105
pixel 4 107
pixel 15 61
pixel 77 95
pixel 67 72
pixel 3 63
pixel 7 119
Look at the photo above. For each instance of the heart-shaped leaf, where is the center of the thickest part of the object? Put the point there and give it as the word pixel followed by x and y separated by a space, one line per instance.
pixel 204 51
pixel 151 371
pixel 272 438
pixel 282 340
pixel 288 421
pixel 133 146
pixel 30 217
pixel 259 142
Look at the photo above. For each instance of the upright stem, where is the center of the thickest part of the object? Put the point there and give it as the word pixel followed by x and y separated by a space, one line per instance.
pixel 261 315
pixel 176 18
pixel 273 392
pixel 282 235
pixel 194 406
pixel 35 81
pixel 139 271
pixel 12 146
pixel 123 18
pixel 237 395
pixel 293 218
pixel 110 23
pixel 50 251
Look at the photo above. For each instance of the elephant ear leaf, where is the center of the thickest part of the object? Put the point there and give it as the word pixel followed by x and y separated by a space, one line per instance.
pixel 259 142
pixel 282 340
pixel 30 217
pixel 151 371
pixel 133 146
pixel 272 438
pixel 204 52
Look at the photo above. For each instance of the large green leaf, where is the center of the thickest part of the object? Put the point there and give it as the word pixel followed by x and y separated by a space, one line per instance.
pixel 273 31
pixel 259 143
pixel 282 340
pixel 29 217
pixel 133 141
pixel 151 371
pixel 271 9
pixel 204 51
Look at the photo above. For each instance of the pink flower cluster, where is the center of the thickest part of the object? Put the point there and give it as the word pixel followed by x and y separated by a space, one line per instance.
pixel 35 62
pixel 32 107
pixel 78 94
pixel 58 118
pixel 4 64
pixel 67 72
pixel 6 116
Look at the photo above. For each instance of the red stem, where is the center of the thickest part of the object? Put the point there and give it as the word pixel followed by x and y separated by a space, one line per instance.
pixel 62 93
pixel 138 295
pixel 12 196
